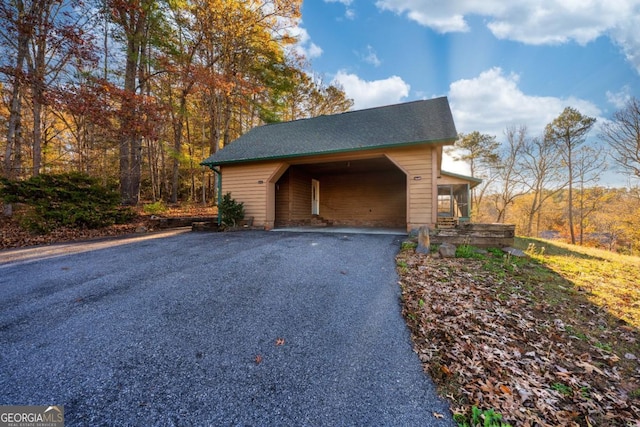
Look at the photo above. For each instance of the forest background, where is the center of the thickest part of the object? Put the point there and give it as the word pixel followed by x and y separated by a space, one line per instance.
pixel 137 92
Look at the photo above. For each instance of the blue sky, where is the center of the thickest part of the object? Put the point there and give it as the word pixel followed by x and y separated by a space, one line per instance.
pixel 500 63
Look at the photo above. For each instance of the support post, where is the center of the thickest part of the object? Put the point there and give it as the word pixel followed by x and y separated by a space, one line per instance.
pixel 219 197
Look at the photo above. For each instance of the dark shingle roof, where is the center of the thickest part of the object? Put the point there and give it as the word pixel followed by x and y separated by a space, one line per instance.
pixel 428 121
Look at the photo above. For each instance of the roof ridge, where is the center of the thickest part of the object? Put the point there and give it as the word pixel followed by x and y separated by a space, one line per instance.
pixel 362 110
pixel 415 101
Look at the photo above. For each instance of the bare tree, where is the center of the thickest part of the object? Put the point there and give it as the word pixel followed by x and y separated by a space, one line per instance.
pixel 509 173
pixel 622 134
pixel 589 166
pixel 568 131
pixel 540 165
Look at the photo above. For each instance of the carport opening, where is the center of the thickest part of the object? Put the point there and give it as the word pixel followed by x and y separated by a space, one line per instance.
pixel 358 193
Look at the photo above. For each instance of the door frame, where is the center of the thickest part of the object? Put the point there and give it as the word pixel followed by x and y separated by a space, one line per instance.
pixel 315 197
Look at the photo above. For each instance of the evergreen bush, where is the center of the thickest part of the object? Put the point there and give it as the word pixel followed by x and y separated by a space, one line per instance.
pixel 64 200
pixel 230 211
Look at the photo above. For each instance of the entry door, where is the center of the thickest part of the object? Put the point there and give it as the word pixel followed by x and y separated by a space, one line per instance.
pixel 445 201
pixel 315 197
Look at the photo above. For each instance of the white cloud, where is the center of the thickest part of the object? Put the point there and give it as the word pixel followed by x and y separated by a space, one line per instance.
pixel 533 22
pixel 492 101
pixel 304 46
pixel 627 36
pixel 619 99
pixel 349 12
pixel 370 57
pixel 367 94
pixel 313 51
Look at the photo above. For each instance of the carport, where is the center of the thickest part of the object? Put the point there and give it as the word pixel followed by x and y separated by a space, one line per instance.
pixel 357 193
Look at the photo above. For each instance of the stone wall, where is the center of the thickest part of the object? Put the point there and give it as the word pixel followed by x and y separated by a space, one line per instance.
pixel 479 235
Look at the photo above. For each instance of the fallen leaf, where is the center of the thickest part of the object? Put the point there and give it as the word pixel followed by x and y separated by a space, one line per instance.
pixel 258 359
pixel 437 415
pixel 524 394
pixel 459 326
pixel 589 368
pixel 280 341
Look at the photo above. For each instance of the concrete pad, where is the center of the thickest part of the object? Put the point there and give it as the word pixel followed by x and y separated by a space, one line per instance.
pixel 345 230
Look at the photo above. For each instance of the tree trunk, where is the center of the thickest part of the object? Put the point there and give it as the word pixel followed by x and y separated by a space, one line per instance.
pixel 153 167
pixel 14 135
pixel 130 142
pixel 177 146
pixel 37 85
pixel 127 136
pixel 37 137
pixel 571 230
pixel 532 212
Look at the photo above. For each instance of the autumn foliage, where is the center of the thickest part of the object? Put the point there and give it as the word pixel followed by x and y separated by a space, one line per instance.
pixel 141 91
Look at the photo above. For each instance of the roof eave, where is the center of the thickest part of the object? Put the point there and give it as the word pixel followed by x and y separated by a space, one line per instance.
pixel 445 141
pixel 472 180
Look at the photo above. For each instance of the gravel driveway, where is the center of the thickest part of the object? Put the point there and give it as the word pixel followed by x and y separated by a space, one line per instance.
pixel 182 328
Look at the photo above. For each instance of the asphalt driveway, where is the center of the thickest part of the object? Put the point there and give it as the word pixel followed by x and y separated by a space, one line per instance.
pixel 182 328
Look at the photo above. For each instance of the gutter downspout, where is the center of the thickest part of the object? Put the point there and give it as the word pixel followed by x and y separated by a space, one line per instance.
pixel 219 173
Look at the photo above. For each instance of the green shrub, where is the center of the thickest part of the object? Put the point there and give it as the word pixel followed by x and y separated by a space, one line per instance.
pixel 466 251
pixel 230 211
pixel 69 199
pixel 406 245
pixel 155 208
pixel 480 418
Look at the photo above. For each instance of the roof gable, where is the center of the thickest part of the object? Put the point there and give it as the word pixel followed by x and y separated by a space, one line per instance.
pixel 428 121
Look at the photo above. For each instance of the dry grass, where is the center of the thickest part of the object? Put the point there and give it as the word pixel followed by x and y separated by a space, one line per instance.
pixel 610 280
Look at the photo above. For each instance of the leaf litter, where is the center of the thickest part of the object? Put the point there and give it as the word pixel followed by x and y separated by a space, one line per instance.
pixel 493 339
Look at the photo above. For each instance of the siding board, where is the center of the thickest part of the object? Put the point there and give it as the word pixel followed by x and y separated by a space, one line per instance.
pixel 249 184
pixel 372 199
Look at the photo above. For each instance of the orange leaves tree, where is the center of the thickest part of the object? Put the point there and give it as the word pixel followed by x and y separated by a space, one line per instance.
pixel 135 20
pixel 181 78
pixel 41 41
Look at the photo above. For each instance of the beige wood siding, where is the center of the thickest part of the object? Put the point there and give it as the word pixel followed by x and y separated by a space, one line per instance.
pixel 446 179
pixel 283 198
pixel 293 196
pixel 250 184
pixel 418 164
pixel 300 194
pixel 369 199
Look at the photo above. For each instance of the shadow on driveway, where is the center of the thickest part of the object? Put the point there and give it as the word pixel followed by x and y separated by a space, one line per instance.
pixel 247 328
